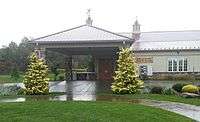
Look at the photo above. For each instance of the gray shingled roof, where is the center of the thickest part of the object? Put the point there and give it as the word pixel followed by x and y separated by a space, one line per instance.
pixel 166 40
pixel 84 33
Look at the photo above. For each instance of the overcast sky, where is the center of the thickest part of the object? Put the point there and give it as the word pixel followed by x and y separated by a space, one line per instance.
pixel 35 18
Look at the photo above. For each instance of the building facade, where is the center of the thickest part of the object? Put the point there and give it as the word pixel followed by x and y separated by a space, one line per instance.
pixel 167 54
pixel 159 55
pixel 100 44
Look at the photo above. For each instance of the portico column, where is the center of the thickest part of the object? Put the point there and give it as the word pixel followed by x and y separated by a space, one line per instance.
pixel 70 67
pixel 68 70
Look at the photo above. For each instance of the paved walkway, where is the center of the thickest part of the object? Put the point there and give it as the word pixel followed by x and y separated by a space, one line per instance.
pixel 190 111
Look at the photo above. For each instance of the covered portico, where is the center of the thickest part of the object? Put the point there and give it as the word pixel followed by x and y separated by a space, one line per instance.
pixel 101 44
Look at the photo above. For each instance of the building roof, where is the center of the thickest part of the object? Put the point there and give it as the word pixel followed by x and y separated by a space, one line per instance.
pixel 167 40
pixel 84 33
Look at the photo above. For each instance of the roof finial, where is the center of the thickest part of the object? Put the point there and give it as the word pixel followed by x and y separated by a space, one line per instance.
pixel 89 20
pixel 88 12
pixel 136 20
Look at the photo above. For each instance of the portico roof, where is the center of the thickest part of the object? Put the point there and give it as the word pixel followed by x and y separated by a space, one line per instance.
pixel 82 34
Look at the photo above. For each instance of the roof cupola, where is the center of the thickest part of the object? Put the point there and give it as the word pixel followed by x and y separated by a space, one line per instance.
pixel 136 30
pixel 89 19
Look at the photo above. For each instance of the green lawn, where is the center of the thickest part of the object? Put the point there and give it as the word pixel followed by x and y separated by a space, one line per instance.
pixel 160 97
pixel 45 111
pixel 8 79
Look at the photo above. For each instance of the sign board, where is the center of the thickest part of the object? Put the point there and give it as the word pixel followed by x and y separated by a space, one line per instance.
pixel 144 60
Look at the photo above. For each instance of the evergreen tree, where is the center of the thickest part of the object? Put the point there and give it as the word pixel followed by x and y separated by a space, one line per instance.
pixel 126 79
pixel 35 79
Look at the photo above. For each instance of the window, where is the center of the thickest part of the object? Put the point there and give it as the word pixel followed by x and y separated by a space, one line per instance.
pixel 170 65
pixel 180 65
pixel 177 65
pixel 185 64
pixel 174 65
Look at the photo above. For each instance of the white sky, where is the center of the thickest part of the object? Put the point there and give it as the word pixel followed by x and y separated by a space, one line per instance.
pixel 35 18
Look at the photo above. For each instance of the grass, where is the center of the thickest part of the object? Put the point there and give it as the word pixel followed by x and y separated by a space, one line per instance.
pixel 8 79
pixel 49 111
pixel 161 97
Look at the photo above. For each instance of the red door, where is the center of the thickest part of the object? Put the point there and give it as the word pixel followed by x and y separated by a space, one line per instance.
pixel 105 70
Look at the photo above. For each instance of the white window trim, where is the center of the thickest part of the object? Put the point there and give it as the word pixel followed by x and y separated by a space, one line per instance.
pixel 177 59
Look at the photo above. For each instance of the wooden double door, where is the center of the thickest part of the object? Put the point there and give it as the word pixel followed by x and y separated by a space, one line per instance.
pixel 105 70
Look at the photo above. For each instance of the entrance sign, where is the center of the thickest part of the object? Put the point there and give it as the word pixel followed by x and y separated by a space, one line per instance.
pixel 144 60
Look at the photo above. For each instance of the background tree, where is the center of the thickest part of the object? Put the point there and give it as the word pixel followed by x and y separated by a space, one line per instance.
pixel 15 56
pixel 25 48
pixel 15 75
pixel 35 79
pixel 126 79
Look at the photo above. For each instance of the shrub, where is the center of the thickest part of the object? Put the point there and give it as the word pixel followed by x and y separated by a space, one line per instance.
pixel 178 86
pixel 157 90
pixel 168 91
pixel 198 87
pixel 15 74
pixel 146 90
pixel 190 89
pixel 35 79
pixel 126 79
pixel 61 71
pixel 61 77
pixel 54 70
pixel 9 90
pixel 21 91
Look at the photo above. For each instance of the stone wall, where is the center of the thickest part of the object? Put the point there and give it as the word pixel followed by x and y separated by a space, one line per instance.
pixel 175 76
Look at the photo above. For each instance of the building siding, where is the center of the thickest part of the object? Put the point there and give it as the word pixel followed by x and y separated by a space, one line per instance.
pixel 160 61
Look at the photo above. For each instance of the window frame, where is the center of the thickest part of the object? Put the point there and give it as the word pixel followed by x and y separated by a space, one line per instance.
pixel 177 64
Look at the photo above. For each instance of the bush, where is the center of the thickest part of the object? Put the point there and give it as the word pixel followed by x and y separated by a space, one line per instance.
pixel 198 87
pixel 157 90
pixel 21 91
pixel 15 74
pixel 35 79
pixel 168 91
pixel 190 89
pixel 54 70
pixel 126 79
pixel 9 90
pixel 61 77
pixel 146 90
pixel 61 71
pixel 178 86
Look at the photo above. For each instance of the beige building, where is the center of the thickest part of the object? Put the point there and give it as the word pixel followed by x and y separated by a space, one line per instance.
pixel 167 54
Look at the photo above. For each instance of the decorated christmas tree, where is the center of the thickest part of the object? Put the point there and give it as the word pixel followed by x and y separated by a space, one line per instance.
pixel 35 79
pixel 126 79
